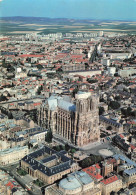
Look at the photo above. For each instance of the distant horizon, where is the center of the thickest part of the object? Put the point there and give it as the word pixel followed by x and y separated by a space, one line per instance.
pixel 124 20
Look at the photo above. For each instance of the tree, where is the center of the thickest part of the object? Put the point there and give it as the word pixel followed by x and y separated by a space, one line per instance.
pixel 59 147
pixel 73 151
pixel 129 110
pixel 75 92
pixel 39 90
pixel 86 163
pixel 93 159
pixel 59 70
pixel 33 114
pixel 126 112
pixel 48 136
pixel 101 110
pixel 109 128
pixel 86 66
pixel 116 75
pixel 92 80
pixel 67 147
pixel 10 116
pixel 39 66
pixel 117 98
pixel 112 193
pixel 101 99
pixel 2 98
pixel 36 146
pixel 114 105
pixel 133 113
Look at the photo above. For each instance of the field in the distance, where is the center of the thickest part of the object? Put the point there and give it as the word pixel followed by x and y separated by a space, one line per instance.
pixel 18 25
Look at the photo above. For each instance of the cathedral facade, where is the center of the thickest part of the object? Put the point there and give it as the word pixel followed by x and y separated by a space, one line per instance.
pixel 75 121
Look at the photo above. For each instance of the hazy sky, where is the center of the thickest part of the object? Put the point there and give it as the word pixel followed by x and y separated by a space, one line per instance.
pixel 90 9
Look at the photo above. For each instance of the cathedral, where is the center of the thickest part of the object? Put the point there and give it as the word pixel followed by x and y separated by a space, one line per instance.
pixel 74 121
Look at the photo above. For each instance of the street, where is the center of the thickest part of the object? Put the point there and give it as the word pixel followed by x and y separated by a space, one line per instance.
pixel 11 170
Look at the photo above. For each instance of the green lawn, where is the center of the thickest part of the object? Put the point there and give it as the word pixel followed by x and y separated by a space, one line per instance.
pixel 38 183
pixel 21 172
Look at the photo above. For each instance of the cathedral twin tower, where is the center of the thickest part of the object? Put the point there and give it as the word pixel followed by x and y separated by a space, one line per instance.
pixel 75 122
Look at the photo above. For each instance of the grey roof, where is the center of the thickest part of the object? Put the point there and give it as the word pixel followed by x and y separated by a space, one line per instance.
pixel 75 180
pixel 20 133
pixel 110 121
pixel 29 102
pixel 53 102
pixel 39 165
pixel 17 139
pixel 21 104
pixel 32 130
pixel 130 171
pixel 3 129
pixel 124 158
pixel 66 105
pixel 2 116
pixel 84 70
pixel 36 133
pixel 48 159
pixel 121 142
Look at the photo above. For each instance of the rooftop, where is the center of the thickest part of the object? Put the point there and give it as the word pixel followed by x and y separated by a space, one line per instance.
pixel 110 180
pixel 14 149
pixel 123 158
pixel 92 171
pixel 130 171
pixel 66 105
pixel 65 162
pixel 75 180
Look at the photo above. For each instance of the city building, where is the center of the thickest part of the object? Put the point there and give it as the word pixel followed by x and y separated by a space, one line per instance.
pixel 130 175
pixel 113 183
pixel 48 165
pixel 12 155
pixel 77 183
pixel 95 172
pixel 106 122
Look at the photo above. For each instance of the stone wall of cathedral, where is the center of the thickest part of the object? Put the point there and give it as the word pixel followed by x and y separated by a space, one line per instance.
pixel 80 127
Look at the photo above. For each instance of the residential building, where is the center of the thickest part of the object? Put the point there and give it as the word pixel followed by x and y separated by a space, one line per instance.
pixel 113 183
pixel 12 155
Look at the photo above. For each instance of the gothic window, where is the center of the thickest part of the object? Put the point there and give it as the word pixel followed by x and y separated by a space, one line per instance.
pixel 84 126
pixel 88 104
pixel 91 104
pixel 81 108
pixel 89 125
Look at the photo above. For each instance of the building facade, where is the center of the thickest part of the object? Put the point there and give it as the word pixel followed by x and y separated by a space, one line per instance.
pixel 12 155
pixel 130 175
pixel 111 184
pixel 75 122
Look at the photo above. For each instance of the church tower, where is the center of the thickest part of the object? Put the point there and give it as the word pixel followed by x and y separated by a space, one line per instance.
pixel 86 119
